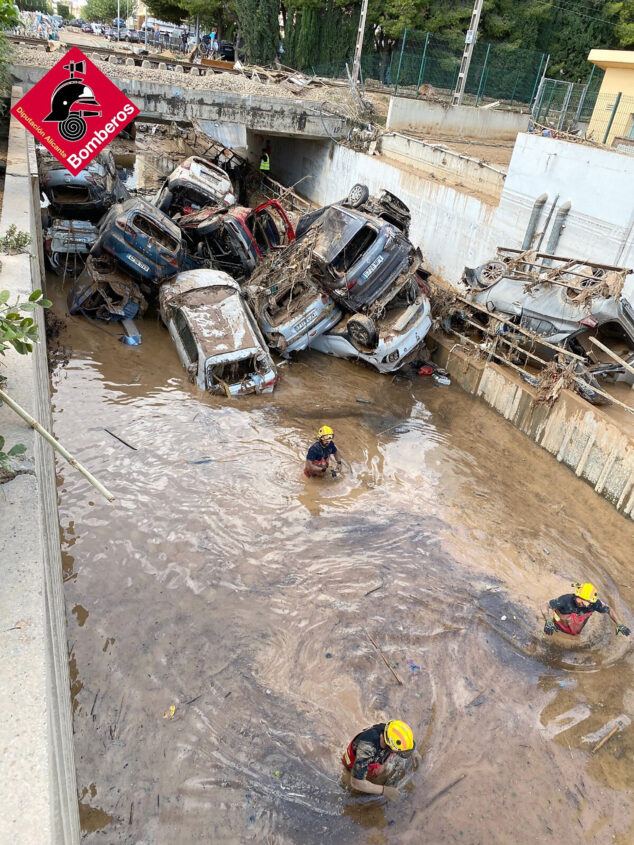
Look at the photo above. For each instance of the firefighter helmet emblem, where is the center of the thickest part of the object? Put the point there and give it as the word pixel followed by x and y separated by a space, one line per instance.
pixel 72 92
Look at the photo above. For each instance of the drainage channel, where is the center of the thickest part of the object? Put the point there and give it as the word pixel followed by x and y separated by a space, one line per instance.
pixel 219 611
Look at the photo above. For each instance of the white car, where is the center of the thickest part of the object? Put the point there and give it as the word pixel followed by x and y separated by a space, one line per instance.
pixel 215 334
pixel 401 329
pixel 194 184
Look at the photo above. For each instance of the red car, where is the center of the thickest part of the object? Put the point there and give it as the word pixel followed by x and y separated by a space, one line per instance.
pixel 235 239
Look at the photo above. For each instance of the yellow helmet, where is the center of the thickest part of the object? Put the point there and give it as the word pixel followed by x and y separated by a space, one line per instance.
pixel 326 431
pixel 399 737
pixel 586 592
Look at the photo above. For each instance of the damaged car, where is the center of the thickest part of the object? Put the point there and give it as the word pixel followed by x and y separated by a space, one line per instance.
pixel 194 184
pixel 236 239
pixel 106 293
pixel 67 244
pixel 86 196
pixel 215 334
pixel 397 332
pixel 562 300
pixel 386 206
pixel 144 241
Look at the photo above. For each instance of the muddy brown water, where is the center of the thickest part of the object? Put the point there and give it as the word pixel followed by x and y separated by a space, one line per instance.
pixel 226 585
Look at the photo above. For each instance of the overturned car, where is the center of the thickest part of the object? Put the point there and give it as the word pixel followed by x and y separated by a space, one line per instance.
pixel 194 184
pixel 105 293
pixel 215 335
pixel 86 196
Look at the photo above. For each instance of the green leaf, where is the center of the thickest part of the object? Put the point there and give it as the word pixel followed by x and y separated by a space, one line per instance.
pixel 35 296
pixel 45 303
pixel 20 347
pixel 12 315
pixel 27 306
pixel 1 443
pixel 4 296
pixel 18 449
pixel 26 322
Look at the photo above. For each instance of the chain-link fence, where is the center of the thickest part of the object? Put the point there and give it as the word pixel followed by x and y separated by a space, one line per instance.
pixel 423 64
pixel 612 121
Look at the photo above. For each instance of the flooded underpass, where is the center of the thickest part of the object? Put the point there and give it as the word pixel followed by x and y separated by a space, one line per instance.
pixel 220 611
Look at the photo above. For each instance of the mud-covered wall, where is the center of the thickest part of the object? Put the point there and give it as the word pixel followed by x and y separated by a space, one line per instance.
pixel 455 121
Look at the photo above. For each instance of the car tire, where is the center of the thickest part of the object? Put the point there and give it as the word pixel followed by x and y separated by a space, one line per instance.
pixel 358 195
pixel 489 273
pixel 362 329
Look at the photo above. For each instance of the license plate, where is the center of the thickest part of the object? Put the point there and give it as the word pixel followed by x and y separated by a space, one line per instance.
pixel 306 320
pixel 137 262
pixel 377 261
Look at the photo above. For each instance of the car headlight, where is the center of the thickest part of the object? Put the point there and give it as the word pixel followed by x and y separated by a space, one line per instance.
pixel 393 356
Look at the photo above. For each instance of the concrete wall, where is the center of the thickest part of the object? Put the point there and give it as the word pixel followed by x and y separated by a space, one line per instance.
pixel 457 121
pixel 414 153
pixel 598 182
pixel 38 800
pixel 578 434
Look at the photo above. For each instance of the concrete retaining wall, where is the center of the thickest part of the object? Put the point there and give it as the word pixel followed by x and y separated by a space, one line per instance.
pixel 458 121
pixel 580 435
pixel 414 153
pixel 38 801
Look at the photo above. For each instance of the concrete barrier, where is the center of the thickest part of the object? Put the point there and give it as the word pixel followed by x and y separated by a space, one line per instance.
pixel 38 802
pixel 583 437
pixel 414 152
pixel 455 121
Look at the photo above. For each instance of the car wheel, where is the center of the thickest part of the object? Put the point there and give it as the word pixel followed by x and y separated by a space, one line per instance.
pixel 362 329
pixel 358 195
pixel 489 273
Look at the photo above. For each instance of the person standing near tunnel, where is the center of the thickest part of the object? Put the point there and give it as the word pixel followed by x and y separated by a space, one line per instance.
pixel 367 753
pixel 569 613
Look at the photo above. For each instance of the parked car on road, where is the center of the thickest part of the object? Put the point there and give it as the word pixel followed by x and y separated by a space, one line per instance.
pixel 400 331
pixel 118 34
pixel 194 184
pixel 87 28
pixel 67 244
pixel 215 334
pixel 235 239
pixel 133 36
pixel 85 196
pixel 226 51
pixel 143 241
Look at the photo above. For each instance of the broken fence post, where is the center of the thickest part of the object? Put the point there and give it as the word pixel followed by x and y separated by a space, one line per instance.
pixel 58 446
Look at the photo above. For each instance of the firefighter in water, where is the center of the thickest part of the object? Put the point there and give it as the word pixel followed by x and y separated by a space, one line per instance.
pixel 365 757
pixel 570 612
pixel 319 454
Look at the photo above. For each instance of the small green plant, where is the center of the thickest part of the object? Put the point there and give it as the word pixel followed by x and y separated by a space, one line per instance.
pixel 16 328
pixel 5 457
pixel 14 240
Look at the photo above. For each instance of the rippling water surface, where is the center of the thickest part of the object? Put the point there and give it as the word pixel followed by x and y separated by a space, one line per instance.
pixel 226 585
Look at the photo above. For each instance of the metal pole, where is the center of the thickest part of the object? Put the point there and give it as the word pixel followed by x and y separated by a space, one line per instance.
pixel 612 116
pixel 400 62
pixel 422 64
pixel 550 99
pixel 541 82
pixel 469 43
pixel 483 74
pixel 118 20
pixel 564 107
pixel 359 45
pixel 584 94
pixel 517 79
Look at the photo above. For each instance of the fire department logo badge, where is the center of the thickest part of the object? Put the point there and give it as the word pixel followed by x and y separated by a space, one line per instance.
pixel 75 111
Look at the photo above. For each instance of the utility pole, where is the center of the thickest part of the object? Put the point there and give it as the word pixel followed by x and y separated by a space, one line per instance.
pixel 359 47
pixel 469 42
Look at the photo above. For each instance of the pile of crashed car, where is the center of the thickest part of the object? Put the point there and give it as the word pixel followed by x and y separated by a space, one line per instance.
pixel 230 280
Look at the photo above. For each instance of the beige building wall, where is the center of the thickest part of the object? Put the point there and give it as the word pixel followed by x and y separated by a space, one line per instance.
pixel 619 77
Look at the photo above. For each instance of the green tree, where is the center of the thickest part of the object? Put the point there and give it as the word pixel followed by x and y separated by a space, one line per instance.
pixel 35 6
pixel 258 22
pixel 102 11
pixel 63 9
